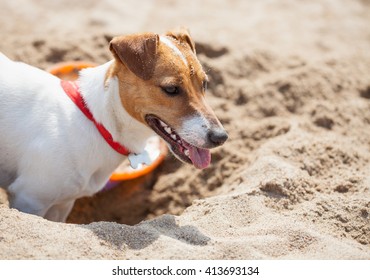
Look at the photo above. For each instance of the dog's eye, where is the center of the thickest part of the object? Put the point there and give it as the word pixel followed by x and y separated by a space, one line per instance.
pixel 171 90
pixel 205 85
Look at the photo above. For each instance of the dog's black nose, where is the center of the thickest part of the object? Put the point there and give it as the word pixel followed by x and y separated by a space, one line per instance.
pixel 217 136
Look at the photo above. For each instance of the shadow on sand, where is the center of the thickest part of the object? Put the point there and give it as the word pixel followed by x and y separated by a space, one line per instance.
pixel 142 235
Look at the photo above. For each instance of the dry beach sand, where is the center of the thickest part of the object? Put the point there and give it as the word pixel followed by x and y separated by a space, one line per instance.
pixel 290 80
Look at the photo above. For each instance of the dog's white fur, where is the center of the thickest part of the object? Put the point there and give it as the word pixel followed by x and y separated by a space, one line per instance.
pixel 195 128
pixel 50 153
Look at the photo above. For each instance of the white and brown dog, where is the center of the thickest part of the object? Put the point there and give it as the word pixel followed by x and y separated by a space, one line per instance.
pixel 51 153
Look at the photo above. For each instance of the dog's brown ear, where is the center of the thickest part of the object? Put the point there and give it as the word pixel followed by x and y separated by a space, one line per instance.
pixel 182 34
pixel 138 52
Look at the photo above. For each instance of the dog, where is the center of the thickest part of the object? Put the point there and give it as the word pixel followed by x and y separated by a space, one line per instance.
pixel 55 149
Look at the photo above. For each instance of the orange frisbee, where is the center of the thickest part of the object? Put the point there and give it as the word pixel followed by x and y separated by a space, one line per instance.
pixel 156 148
pixel 69 70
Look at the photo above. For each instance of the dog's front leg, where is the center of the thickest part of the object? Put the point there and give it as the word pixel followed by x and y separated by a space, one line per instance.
pixel 25 200
pixel 59 212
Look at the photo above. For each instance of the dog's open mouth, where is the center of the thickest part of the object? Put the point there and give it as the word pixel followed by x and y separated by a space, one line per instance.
pixel 199 157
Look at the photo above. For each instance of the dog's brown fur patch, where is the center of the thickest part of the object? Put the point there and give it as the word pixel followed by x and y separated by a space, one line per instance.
pixel 141 97
pixel 137 52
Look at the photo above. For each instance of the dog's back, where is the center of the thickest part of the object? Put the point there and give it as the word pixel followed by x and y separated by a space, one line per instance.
pixel 7 162
pixel 42 165
pixel 20 86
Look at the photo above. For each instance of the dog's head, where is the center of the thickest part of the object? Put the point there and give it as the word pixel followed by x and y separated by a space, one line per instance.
pixel 163 85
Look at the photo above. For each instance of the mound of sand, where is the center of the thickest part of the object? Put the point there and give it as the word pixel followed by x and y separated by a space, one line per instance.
pixel 291 83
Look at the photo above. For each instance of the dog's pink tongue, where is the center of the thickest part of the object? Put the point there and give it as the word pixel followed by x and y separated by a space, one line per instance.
pixel 201 158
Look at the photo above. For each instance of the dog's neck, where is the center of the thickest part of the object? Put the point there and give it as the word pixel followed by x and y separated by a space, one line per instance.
pixel 101 94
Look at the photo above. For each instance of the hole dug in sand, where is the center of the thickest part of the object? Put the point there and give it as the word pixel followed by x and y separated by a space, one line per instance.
pixel 127 203
pixel 168 190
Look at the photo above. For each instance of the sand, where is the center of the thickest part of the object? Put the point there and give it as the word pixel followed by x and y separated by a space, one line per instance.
pixel 290 80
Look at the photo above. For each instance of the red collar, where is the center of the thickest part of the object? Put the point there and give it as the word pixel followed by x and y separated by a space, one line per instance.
pixel 72 90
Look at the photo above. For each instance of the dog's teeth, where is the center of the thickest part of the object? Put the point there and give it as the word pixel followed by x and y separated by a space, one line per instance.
pixel 173 136
pixel 167 129
pixel 162 124
pixel 186 152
